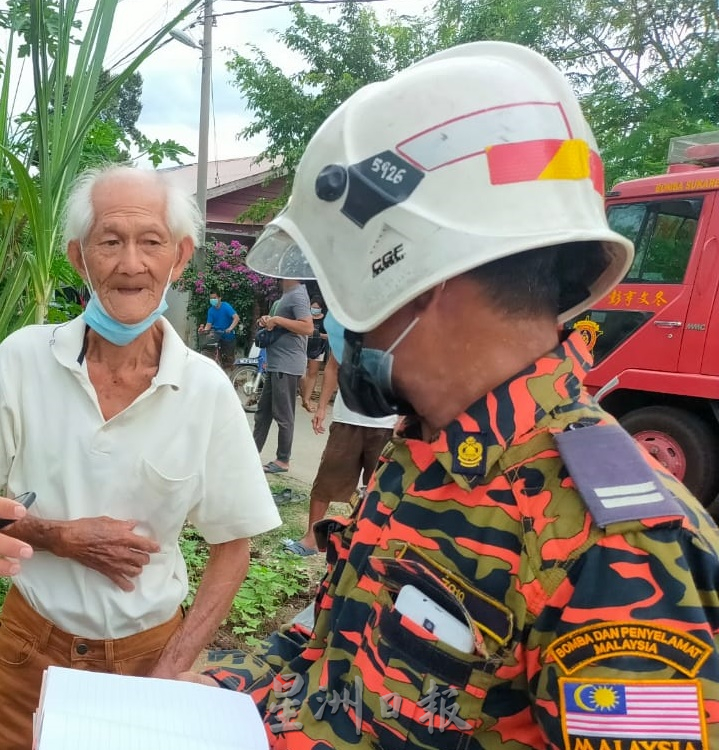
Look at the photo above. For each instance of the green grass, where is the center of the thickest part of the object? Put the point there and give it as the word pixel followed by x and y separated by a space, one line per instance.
pixel 275 580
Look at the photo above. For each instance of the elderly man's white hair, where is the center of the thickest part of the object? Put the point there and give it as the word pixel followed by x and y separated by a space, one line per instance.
pixel 182 214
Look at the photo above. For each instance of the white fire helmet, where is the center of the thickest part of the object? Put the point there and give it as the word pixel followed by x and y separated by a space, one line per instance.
pixel 473 154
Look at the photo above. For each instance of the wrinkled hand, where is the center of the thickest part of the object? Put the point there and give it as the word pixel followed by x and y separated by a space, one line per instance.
pixel 12 550
pixel 200 679
pixel 108 546
pixel 318 420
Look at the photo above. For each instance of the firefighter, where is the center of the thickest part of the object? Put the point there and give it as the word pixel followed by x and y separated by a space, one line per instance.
pixel 453 217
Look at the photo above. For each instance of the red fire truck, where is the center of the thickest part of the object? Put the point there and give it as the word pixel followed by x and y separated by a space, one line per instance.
pixel 655 337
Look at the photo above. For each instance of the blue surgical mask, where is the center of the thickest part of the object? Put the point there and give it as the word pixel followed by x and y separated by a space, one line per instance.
pixel 365 375
pixel 316 311
pixel 335 336
pixel 120 334
pixel 214 302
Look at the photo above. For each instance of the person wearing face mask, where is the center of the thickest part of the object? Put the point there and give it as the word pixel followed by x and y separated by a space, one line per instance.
pixel 520 574
pixel 316 350
pixel 353 447
pixel 222 318
pixel 123 433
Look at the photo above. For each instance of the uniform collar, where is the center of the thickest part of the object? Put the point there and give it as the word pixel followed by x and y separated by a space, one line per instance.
pixel 471 444
pixel 67 343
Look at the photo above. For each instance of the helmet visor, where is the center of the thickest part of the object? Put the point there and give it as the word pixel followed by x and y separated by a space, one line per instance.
pixel 276 254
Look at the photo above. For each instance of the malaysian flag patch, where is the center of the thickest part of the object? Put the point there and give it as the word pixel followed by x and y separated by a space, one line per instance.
pixel 614 715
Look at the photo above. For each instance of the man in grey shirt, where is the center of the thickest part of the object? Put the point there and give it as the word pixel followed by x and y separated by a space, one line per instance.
pixel 286 363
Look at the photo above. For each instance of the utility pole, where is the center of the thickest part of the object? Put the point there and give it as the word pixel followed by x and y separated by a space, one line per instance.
pixel 202 150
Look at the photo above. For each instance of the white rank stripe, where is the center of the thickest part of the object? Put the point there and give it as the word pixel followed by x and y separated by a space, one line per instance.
pixel 624 495
pixel 474 132
pixel 625 489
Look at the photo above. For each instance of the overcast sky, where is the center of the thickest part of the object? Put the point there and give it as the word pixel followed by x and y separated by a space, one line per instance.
pixel 171 91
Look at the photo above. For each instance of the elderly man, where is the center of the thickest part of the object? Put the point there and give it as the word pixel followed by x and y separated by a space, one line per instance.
pixel 520 575
pixel 124 434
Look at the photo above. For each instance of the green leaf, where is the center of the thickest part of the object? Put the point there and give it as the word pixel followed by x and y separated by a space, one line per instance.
pixel 41 156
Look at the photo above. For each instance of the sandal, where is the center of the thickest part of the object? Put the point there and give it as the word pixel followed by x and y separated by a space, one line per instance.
pixel 273 468
pixel 297 548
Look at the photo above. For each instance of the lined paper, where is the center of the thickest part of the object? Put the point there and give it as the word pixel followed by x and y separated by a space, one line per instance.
pixel 88 710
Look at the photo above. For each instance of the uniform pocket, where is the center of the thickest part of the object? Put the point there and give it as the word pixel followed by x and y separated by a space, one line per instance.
pixel 416 689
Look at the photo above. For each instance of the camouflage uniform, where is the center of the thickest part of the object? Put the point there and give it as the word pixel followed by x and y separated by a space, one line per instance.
pixel 594 610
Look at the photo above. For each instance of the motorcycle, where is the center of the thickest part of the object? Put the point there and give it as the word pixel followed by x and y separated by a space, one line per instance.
pixel 248 377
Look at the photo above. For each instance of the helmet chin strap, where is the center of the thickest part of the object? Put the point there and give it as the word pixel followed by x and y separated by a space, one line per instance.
pixel 414 322
pixel 404 334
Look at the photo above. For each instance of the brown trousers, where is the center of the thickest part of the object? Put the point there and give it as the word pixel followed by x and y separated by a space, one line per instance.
pixel 29 644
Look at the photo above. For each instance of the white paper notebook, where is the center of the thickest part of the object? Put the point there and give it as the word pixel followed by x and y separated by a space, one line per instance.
pixel 87 710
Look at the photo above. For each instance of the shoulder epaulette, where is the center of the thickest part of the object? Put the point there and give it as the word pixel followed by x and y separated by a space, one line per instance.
pixel 613 477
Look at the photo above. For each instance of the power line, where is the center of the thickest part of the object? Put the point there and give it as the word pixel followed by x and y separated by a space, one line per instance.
pixel 306 2
pixel 272 4
pixel 143 43
pixel 139 32
pixel 259 5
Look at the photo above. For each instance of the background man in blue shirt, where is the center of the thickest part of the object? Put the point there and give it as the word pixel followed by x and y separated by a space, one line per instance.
pixel 221 317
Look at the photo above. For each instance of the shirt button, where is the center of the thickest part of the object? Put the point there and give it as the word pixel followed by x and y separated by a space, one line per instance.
pixel 81 648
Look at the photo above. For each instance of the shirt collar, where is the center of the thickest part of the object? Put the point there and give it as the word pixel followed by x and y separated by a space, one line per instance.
pixel 67 343
pixel 472 443
pixel 173 357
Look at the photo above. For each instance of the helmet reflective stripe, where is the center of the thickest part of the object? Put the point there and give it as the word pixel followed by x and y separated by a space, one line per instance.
pixel 545 160
pixel 475 133
pixel 471 155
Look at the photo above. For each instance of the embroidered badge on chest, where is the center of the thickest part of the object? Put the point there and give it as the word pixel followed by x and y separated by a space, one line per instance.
pixel 469 453
pixel 613 477
pixel 632 715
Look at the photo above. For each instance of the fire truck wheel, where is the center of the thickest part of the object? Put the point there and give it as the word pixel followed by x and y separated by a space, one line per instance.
pixel 682 442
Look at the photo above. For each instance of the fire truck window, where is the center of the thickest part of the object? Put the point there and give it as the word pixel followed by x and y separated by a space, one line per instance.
pixel 663 234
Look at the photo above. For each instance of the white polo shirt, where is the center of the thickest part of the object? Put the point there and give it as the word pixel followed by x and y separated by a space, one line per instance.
pixel 182 450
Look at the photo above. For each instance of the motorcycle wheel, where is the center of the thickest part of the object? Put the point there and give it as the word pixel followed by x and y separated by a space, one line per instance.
pixel 248 390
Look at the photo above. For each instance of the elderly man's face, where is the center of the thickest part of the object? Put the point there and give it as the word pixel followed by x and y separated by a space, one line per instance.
pixel 130 252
